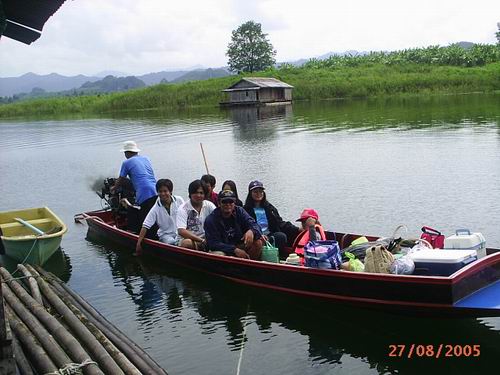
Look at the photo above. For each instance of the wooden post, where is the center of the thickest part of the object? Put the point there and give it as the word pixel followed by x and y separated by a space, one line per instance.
pixel 92 345
pixel 60 333
pixel 204 157
pixel 135 354
pixel 121 360
pixel 41 360
pixel 35 291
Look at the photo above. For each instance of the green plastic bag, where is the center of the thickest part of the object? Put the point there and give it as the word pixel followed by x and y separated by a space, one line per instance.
pixel 354 264
pixel 270 253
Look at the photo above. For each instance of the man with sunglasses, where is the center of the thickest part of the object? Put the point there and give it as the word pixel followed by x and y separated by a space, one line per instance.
pixel 230 230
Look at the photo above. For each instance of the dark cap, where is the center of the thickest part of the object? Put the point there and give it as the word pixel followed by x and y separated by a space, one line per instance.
pixel 227 194
pixel 255 185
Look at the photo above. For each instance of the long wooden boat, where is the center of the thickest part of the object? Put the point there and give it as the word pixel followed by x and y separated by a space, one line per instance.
pixel 31 235
pixel 471 291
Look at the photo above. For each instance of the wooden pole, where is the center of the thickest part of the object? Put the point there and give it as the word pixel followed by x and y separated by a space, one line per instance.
pixel 35 291
pixel 40 358
pixel 135 353
pixel 48 342
pixel 92 345
pixel 204 157
pixel 60 333
pixel 121 360
pixel 21 361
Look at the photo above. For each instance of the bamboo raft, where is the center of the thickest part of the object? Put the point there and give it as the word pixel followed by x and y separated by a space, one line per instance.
pixel 53 330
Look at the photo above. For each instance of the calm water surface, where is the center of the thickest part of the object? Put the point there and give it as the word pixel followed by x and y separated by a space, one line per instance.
pixel 366 166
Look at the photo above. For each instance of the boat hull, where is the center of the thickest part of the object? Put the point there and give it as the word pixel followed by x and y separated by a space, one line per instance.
pixel 389 292
pixel 22 244
pixel 34 251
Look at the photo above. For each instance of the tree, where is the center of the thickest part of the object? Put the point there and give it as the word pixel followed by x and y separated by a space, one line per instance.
pixel 249 49
pixel 498 33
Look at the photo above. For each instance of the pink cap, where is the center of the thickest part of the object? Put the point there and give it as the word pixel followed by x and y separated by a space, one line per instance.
pixel 307 213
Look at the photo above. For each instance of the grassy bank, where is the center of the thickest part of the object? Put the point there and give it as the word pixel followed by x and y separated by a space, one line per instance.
pixel 311 82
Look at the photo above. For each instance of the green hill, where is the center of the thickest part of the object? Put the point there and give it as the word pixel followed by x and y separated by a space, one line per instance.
pixel 202 74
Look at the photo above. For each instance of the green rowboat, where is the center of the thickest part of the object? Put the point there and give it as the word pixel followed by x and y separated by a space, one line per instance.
pixel 31 235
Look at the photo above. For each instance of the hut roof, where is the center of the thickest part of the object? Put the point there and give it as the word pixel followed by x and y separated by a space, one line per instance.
pixel 24 19
pixel 259 82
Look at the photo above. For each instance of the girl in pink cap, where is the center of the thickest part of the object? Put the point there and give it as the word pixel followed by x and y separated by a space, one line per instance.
pixel 311 230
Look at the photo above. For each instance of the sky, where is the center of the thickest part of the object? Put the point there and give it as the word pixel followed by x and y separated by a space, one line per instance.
pixel 139 37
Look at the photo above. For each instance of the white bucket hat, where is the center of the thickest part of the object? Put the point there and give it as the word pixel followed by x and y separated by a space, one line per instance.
pixel 130 146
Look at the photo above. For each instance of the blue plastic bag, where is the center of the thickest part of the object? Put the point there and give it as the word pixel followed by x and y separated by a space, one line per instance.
pixel 323 254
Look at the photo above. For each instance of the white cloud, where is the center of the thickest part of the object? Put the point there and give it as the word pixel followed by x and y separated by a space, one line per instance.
pixel 87 36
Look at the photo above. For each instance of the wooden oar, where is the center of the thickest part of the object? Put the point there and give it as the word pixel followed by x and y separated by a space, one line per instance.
pixel 28 225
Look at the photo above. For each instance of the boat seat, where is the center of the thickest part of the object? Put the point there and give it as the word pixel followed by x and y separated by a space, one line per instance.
pixel 32 222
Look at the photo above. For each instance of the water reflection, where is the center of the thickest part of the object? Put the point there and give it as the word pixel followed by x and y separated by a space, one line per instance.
pixel 441 112
pixel 334 334
pixel 59 264
pixel 258 123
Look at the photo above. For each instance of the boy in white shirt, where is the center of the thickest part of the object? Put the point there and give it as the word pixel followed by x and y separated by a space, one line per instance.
pixel 164 213
pixel 191 217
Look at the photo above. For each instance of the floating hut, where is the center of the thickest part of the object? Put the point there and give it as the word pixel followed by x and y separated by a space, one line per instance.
pixel 258 91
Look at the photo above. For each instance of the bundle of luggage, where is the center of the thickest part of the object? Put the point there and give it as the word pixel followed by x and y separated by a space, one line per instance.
pixel 433 254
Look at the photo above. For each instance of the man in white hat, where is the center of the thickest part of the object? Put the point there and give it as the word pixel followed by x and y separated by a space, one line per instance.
pixel 140 171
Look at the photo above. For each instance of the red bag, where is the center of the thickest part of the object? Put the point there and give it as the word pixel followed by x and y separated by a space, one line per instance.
pixel 433 236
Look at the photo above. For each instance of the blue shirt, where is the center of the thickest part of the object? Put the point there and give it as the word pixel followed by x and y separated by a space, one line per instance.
pixel 140 171
pixel 261 218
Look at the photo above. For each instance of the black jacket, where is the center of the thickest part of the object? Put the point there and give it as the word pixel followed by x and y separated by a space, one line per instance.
pixel 224 235
pixel 274 219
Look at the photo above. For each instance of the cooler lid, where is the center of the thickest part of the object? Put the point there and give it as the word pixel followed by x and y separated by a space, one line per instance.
pixel 442 256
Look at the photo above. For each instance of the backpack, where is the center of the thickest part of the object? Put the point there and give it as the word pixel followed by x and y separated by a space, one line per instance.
pixel 378 259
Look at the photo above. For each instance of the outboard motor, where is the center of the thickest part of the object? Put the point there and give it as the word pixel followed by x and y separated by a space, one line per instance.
pixel 120 201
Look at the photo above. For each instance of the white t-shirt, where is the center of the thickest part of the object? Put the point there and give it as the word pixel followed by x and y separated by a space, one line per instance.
pixel 188 218
pixel 167 223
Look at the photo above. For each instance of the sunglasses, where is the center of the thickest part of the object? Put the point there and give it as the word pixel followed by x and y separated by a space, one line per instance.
pixel 227 201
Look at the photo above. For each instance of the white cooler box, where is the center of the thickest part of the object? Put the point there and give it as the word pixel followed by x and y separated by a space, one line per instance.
pixel 465 240
pixel 437 262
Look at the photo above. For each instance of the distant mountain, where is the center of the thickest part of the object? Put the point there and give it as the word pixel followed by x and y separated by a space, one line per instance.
pixel 465 45
pixel 51 83
pixel 182 75
pixel 114 73
pixel 110 84
pixel 155 78
pixel 56 83
pixel 106 85
pixel 197 75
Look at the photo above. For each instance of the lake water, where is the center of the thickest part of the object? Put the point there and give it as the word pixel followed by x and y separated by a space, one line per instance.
pixel 365 165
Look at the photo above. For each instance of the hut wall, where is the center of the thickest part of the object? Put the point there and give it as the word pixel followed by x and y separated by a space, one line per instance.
pixel 275 94
pixel 266 95
pixel 243 96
